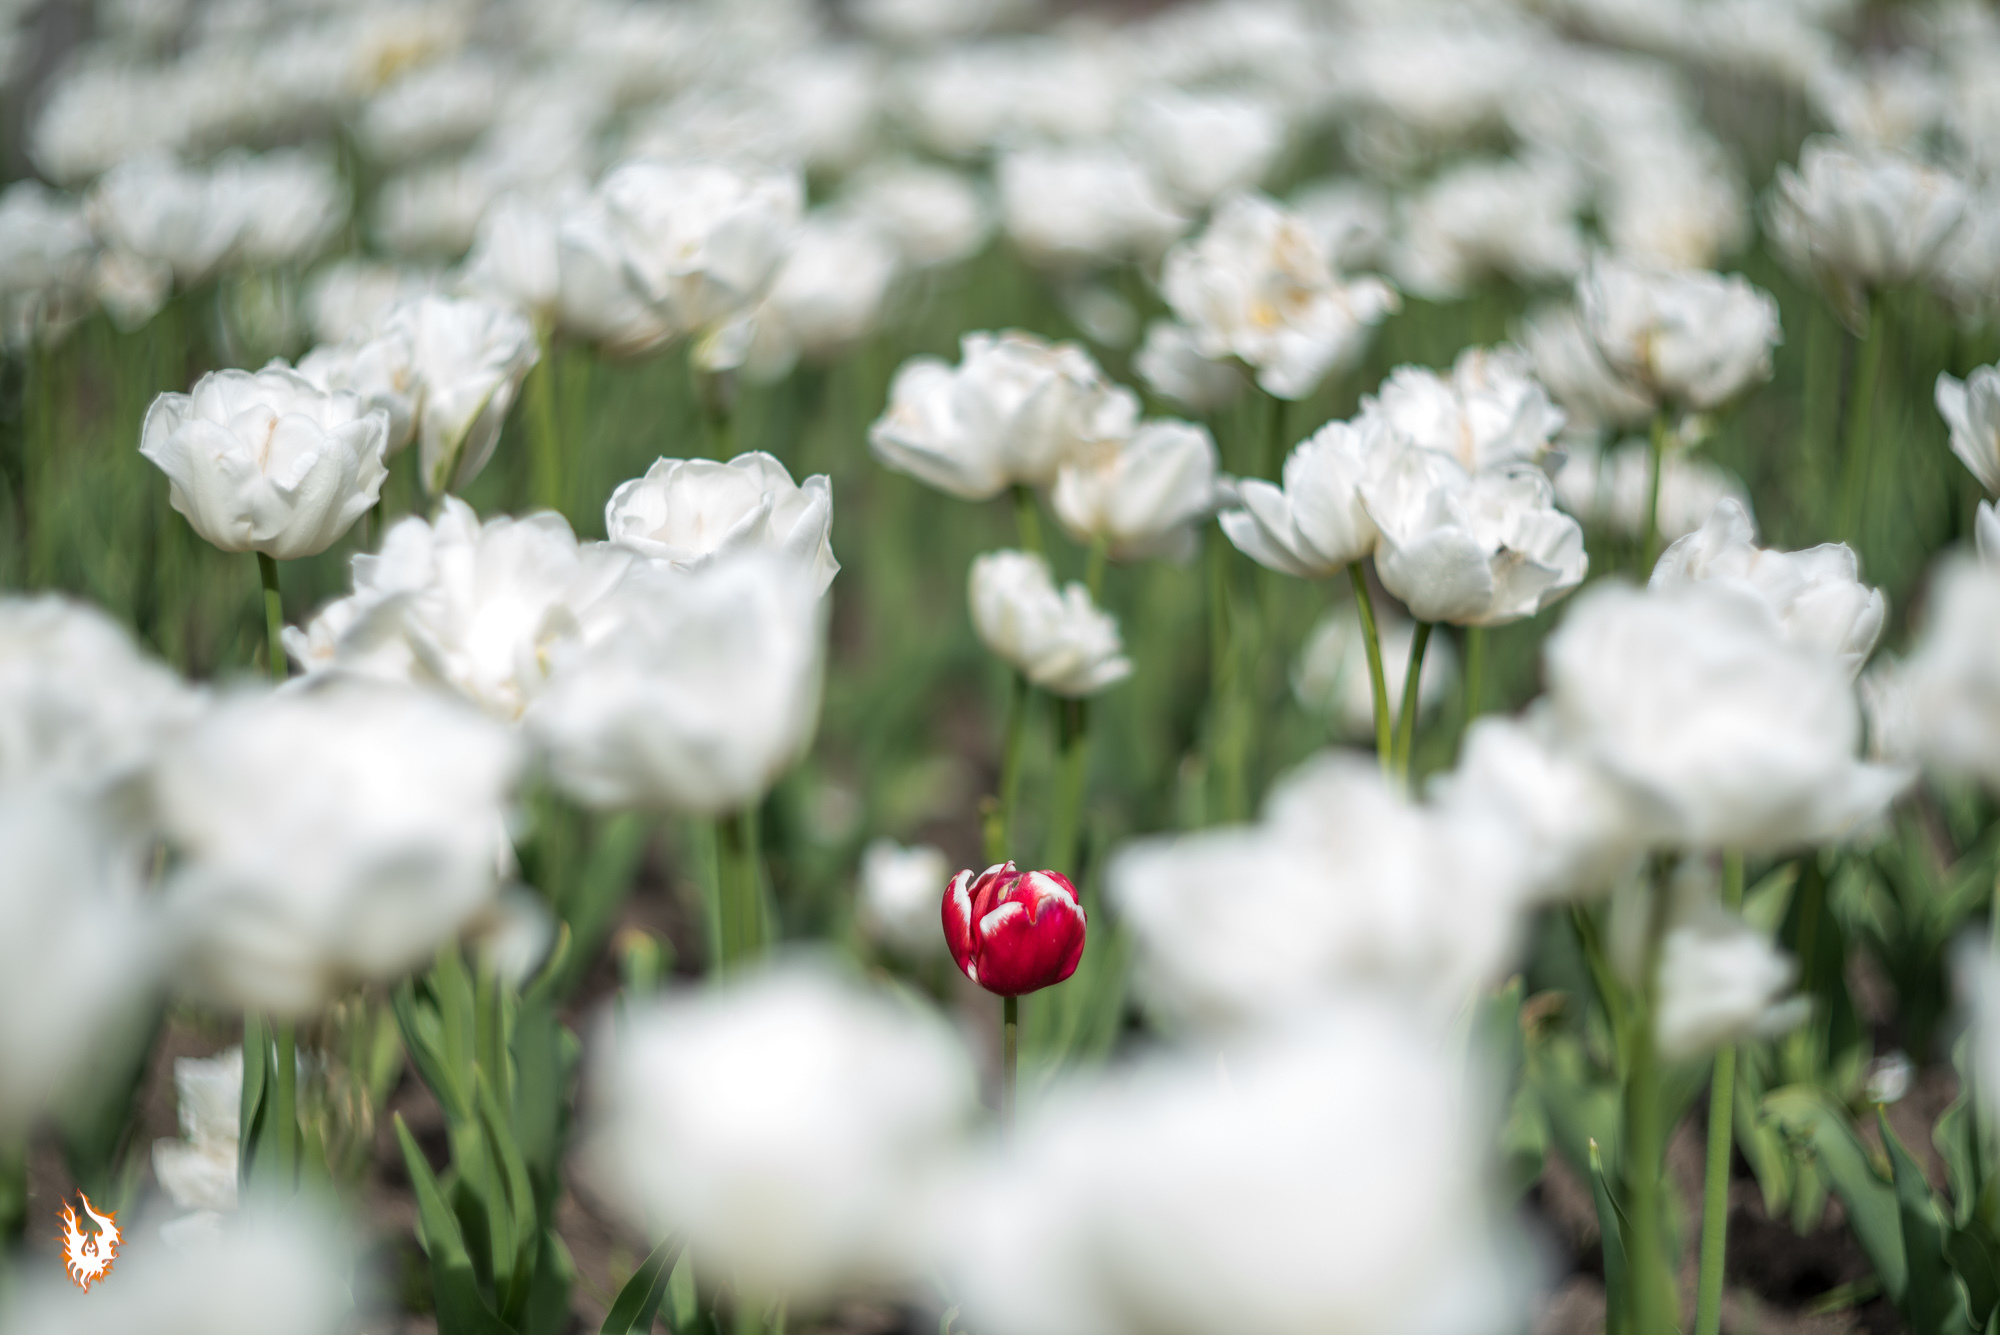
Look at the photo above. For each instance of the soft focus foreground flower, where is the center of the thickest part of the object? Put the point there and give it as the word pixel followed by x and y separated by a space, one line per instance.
pixel 1257 285
pixel 267 462
pixel 1060 640
pixel 73 931
pixel 1145 497
pixel 1172 365
pixel 1330 678
pixel 689 512
pixel 898 899
pixel 478 609
pixel 330 836
pixel 1817 595
pixel 1476 549
pixel 1013 931
pixel 1012 412
pixel 1726 733
pixel 1720 980
pixel 1971 408
pixel 1343 887
pixel 1489 411
pixel 701 239
pixel 1293 1205
pixel 702 691
pixel 471 357
pixel 1315 524
pixel 790 1123
pixel 1951 681
pixel 1687 339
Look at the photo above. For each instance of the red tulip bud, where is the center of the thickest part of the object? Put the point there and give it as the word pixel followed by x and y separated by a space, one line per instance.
pixel 1013 931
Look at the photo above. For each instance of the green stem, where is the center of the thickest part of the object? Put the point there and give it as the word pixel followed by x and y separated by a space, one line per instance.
pixel 13 1192
pixel 285 1115
pixel 738 898
pixel 1027 520
pixel 1000 834
pixel 1406 728
pixel 1010 1053
pixel 545 437
pixel 1858 436
pixel 1073 741
pixel 274 616
pixel 1274 443
pixel 1378 683
pixel 1721 1128
pixel 1650 546
pixel 1475 670
pixel 1093 570
pixel 1655 1304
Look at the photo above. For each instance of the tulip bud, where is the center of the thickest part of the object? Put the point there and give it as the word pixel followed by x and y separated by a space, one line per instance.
pixel 1012 931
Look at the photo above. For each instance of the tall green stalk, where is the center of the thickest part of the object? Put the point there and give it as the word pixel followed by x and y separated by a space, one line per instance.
pixel 738 895
pixel 1406 728
pixel 1649 547
pixel 545 439
pixel 1378 682
pixel 1000 832
pixel 1010 1060
pixel 1027 520
pixel 1721 1126
pixel 285 1112
pixel 1475 670
pixel 274 616
pixel 1073 767
pixel 1655 1304
pixel 1857 432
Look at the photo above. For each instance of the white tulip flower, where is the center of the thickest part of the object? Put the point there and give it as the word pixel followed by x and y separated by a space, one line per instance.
pixel 516 257
pixel 199 1171
pixel 1474 549
pixel 1315 524
pixel 1971 408
pixel 1514 218
pixel 1172 365
pixel 1692 340
pixel 1566 358
pixel 701 239
pixel 163 211
pixel 1986 532
pixel 470 356
pixel 900 892
pixel 435 107
pixel 478 609
pixel 1490 410
pixel 329 836
pixel 690 512
pixel 935 215
pixel 1721 980
pixel 268 462
pixel 48 259
pixel 597 297
pixel 1331 680
pixel 1951 680
pixel 1817 595
pixel 1726 734
pixel 1145 498
pixel 793 1124
pixel 347 299
pixel 1257 286
pixel 1351 218
pixel 1615 488
pixel 381 371
pixel 1011 413
pixel 1060 640
pixel 1072 206
pixel 702 689
pixel 1203 145
pixel 291 204
pixel 826 297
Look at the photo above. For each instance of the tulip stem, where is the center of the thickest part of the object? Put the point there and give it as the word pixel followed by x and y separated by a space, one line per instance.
pixel 1655 1306
pixel 274 616
pixel 285 1116
pixel 547 439
pixel 1475 670
pixel 1010 1053
pixel 1858 436
pixel 1715 1179
pixel 737 890
pixel 1001 836
pixel 1649 551
pixel 1406 731
pixel 1093 570
pixel 1026 520
pixel 1073 742
pixel 1378 682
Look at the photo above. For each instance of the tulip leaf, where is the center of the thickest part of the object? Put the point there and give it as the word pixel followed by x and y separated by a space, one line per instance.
pixel 1933 1303
pixel 460 1308
pixel 518 1197
pixel 417 1022
pixel 1812 1120
pixel 250 1105
pixel 639 1301
pixel 592 904
pixel 547 1311
pixel 1611 1231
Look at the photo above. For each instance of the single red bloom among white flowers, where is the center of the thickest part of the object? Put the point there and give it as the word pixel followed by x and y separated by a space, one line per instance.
pixel 1014 931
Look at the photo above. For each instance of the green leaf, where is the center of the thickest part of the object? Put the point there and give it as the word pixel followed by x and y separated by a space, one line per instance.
pixel 460 1308
pixel 548 1297
pixel 417 1023
pixel 592 904
pixel 250 1106
pixel 1812 1120
pixel 1611 1230
pixel 1933 1302
pixel 639 1301
pixel 519 1201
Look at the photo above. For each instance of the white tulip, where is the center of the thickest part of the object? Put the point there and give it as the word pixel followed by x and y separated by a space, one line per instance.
pixel 1072 206
pixel 901 890
pixel 432 212
pixel 701 239
pixel 1726 734
pixel 701 692
pixel 48 259
pixel 1174 368
pixel 1145 498
pixel 1971 408
pixel 1952 678
pixel 1201 1194
pixel 131 288
pixel 158 209
pixel 434 107
pixel 1689 339
pixel 1203 145
pixel 1331 679
pixel 291 203
pixel 1514 218
pixel 328 837
pixel 1475 549
pixel 1567 359
pixel 516 257
pixel 1352 220
pixel 347 300
pixel 935 214
pixel 826 297
pixel 470 357
pixel 1257 286
pixel 1060 640
pixel 1986 532
pixel 791 1123
pixel 381 371
pixel 597 298
pixel 1615 489
pixel 1817 595
pixel 1489 411
pixel 1316 523
pixel 1721 980
pixel 199 1171
pixel 1011 413
pixel 267 462
pixel 689 512
pixel 478 609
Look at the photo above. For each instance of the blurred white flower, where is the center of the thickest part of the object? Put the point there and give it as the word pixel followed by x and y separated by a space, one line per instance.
pixel 1986 532
pixel 1971 408
pixel 901 893
pixel 199 1170
pixel 1567 359
pixel 1351 218
pixel 1951 681
pixel 701 239
pixel 1173 367
pixel 381 371
pixel 1692 340
pixel 329 836
pixel 597 297
pixel 1891 104
pixel 478 609
pixel 156 208
pixel 1475 549
pixel 470 356
pixel 792 1124
pixel 1330 677
pixel 1727 734
pixel 267 461
pixel 935 215
pixel 516 259
pixel 432 212
pixel 347 299
pixel 290 204
pixel 1202 145
pixel 1673 200
pixel 1614 489
pixel 1011 413
pixel 934 20
pixel 1257 286
pixel 431 108
pixel 1721 980
pixel 1269 1219
pixel 1514 218
pixel 1059 639
pixel 1072 206
pixel 46 262
pixel 1817 594
pixel 702 690
pixel 1489 411
pixel 1145 497
pixel 826 297
pixel 131 288
pixel 1316 523
pixel 689 512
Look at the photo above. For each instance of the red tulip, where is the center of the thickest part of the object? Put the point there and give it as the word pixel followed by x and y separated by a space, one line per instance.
pixel 1013 931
